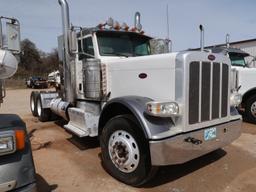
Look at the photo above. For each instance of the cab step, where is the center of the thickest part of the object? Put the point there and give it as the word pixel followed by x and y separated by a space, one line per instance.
pixel 82 123
pixel 75 130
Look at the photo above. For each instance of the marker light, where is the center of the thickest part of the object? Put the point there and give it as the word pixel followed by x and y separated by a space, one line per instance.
pixel 101 26
pixel 125 27
pixel 163 109
pixel 133 29
pixel 117 26
pixel 20 139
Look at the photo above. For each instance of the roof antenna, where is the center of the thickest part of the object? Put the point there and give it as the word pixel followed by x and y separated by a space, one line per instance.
pixel 168 29
pixel 227 40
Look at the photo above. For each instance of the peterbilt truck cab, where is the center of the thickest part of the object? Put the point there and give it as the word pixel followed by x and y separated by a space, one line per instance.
pixel 244 79
pixel 147 110
pixel 17 172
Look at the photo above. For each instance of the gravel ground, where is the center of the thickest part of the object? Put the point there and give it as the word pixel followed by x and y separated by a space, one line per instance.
pixel 65 163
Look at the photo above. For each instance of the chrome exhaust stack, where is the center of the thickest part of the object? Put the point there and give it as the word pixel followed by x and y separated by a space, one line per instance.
pixel 137 23
pixel 68 69
pixel 227 40
pixel 201 37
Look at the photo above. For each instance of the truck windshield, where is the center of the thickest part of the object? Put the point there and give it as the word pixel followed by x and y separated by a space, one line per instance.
pixel 237 60
pixel 125 44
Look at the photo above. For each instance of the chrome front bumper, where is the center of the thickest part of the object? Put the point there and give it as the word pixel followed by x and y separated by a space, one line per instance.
pixel 177 150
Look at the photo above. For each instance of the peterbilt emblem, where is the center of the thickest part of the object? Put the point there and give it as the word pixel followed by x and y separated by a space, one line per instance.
pixel 211 57
pixel 143 75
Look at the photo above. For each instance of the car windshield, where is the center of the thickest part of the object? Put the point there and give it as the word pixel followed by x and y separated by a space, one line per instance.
pixel 237 60
pixel 125 44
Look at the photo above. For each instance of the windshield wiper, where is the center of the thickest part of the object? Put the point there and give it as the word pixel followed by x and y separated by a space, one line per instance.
pixel 117 54
pixel 123 54
pixel 238 65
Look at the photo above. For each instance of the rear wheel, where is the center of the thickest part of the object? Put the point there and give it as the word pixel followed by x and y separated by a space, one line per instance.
pixel 250 109
pixel 33 107
pixel 125 151
pixel 43 114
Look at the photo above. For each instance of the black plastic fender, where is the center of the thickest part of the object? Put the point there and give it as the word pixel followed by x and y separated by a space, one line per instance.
pixel 136 106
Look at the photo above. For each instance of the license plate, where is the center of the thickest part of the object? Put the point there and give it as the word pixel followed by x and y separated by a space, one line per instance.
pixel 210 133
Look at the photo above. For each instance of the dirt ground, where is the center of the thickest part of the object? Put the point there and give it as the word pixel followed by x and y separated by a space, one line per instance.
pixel 68 164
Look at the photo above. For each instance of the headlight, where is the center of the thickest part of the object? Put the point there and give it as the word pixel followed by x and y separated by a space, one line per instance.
pixel 7 142
pixel 235 99
pixel 163 109
pixel 10 141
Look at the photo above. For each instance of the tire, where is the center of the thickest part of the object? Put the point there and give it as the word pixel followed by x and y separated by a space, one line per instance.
pixel 43 114
pixel 250 109
pixel 122 139
pixel 33 107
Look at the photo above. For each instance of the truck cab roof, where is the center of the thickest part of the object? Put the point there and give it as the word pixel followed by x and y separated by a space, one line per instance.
pixel 87 31
pixel 229 50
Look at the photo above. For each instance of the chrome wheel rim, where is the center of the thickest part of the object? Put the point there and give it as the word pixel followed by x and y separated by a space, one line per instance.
pixel 253 109
pixel 32 103
pixel 39 108
pixel 124 151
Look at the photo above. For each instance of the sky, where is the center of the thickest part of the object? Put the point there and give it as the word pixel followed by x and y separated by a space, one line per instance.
pixel 41 19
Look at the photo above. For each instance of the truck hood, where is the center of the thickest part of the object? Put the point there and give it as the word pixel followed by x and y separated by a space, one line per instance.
pixel 154 76
pixel 10 122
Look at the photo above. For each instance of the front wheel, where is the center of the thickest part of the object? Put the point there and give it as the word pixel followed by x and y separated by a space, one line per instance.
pixel 250 109
pixel 125 151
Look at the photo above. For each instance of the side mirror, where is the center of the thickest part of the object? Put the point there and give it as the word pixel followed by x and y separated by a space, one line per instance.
pixel 159 46
pixel 12 35
pixel 72 41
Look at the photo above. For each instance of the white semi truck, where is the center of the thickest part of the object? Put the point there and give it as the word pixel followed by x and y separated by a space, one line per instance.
pixel 54 79
pixel 244 79
pixel 147 110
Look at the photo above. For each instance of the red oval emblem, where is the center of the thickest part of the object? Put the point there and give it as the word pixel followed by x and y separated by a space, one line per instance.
pixel 211 57
pixel 143 75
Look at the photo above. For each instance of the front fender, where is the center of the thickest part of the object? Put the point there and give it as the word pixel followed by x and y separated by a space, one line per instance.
pixel 136 106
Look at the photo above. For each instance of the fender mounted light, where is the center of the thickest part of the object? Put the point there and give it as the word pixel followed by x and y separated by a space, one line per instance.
pixel 163 109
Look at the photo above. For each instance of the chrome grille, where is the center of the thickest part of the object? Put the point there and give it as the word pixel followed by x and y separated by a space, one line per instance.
pixel 208 91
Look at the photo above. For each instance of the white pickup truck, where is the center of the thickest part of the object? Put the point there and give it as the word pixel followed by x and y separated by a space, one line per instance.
pixel 17 172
